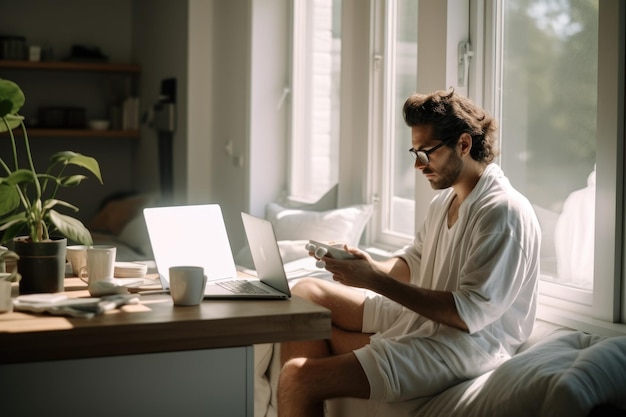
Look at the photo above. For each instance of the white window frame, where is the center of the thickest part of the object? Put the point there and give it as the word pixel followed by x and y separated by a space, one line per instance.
pixel 441 26
pixel 603 310
pixel 382 128
pixel 306 128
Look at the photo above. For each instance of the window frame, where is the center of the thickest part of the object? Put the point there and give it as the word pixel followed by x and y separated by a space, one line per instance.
pixel 602 310
pixel 444 24
pixel 362 89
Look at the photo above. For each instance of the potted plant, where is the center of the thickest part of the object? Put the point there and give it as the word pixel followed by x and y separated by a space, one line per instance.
pixel 28 202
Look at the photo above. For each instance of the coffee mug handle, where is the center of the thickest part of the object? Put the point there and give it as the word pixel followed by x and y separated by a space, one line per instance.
pixel 80 275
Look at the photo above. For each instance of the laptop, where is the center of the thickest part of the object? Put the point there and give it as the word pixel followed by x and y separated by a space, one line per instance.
pixel 196 235
pixel 190 235
pixel 271 282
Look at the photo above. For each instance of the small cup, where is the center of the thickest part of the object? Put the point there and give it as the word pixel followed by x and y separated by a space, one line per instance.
pixel 6 304
pixel 100 264
pixel 34 53
pixel 77 257
pixel 187 285
pixel 3 267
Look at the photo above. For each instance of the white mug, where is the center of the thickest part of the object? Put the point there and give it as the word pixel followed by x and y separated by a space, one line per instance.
pixel 100 264
pixel 77 257
pixel 187 285
pixel 6 304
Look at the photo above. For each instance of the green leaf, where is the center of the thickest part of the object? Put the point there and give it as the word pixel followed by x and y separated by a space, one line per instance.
pixel 9 198
pixel 13 120
pixel 5 107
pixel 18 177
pixel 48 204
pixel 12 220
pixel 71 181
pixel 73 158
pixel 13 228
pixel 11 92
pixel 71 228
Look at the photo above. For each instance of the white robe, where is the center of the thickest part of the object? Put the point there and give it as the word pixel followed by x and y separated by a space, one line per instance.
pixel 491 268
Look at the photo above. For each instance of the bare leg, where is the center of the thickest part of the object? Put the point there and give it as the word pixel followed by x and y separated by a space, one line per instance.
pixel 305 383
pixel 346 306
pixel 314 371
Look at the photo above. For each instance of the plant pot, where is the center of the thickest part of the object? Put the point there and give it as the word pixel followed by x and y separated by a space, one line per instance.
pixel 41 265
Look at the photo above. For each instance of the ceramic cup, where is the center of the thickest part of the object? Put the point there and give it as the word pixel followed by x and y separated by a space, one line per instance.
pixel 77 257
pixel 2 261
pixel 6 304
pixel 100 264
pixel 187 285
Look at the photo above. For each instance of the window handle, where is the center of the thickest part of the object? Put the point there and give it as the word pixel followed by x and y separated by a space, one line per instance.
pixel 283 97
pixel 465 58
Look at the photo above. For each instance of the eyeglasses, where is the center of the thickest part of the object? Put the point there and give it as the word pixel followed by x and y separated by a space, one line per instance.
pixel 422 156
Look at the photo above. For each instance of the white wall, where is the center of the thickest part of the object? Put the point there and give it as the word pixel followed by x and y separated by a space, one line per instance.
pixel 267 156
pixel 199 117
pixel 229 108
pixel 159 44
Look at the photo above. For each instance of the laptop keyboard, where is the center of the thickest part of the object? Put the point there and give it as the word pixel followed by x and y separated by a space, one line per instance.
pixel 241 287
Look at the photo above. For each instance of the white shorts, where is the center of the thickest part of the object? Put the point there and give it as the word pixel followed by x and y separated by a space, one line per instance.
pixel 403 369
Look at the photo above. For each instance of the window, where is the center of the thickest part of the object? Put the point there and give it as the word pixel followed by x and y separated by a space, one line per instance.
pixel 559 111
pixel 536 66
pixel 548 126
pixel 399 69
pixel 394 78
pixel 316 50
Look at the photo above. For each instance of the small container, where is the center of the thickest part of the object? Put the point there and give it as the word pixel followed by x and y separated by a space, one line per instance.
pixel 99 124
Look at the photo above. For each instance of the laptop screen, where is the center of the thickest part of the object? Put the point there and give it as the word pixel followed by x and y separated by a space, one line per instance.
pixel 193 235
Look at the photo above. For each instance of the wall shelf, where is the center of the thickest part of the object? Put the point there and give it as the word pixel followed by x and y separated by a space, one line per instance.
pixel 74 133
pixel 70 66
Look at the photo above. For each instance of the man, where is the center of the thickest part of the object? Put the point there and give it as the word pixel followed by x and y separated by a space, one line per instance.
pixel 453 304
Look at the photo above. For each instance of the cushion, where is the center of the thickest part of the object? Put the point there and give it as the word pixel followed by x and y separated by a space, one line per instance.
pixel 290 250
pixel 326 202
pixel 262 390
pixel 135 235
pixel 116 213
pixel 565 375
pixel 340 225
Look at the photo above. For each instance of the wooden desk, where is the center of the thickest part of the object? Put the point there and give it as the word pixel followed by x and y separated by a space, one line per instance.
pixel 152 358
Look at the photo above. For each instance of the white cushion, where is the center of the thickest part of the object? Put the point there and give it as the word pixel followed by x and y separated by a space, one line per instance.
pixel 566 375
pixel 339 225
pixel 290 250
pixel 135 235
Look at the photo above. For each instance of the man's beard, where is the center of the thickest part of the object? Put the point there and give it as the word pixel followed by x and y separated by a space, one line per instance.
pixel 448 174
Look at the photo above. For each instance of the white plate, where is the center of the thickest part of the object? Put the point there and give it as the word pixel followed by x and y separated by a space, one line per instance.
pixel 137 282
pixel 130 269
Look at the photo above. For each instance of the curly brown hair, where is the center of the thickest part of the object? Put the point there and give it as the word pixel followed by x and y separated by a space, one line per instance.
pixel 451 115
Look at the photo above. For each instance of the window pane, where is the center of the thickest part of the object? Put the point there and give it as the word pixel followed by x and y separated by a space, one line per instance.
pixel 548 125
pixel 404 74
pixel 315 104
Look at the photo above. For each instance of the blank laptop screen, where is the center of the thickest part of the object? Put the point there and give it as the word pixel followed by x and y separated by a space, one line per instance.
pixel 190 235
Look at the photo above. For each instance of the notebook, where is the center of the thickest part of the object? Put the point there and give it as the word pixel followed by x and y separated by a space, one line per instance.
pixel 196 235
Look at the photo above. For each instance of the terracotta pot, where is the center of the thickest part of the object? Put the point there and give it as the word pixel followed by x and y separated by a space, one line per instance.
pixel 41 265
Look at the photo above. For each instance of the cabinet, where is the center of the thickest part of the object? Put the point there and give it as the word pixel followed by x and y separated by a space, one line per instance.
pixel 34 75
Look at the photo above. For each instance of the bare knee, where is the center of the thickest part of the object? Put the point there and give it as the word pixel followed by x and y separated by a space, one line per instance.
pixel 307 382
pixel 294 387
pixel 290 374
pixel 309 289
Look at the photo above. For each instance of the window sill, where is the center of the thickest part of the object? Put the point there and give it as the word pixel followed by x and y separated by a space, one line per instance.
pixel 580 322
